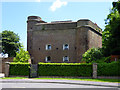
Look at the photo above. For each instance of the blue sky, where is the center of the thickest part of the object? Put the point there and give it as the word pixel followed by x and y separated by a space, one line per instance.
pixel 14 14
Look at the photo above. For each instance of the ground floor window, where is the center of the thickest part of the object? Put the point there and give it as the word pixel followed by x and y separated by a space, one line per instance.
pixel 48 59
pixel 66 59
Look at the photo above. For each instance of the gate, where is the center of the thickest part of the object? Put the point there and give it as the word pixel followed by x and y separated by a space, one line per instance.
pixel 33 71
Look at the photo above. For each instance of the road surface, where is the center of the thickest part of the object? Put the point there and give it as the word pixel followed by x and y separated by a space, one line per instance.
pixel 32 83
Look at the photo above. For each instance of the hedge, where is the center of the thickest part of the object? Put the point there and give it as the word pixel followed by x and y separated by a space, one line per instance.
pixel 108 69
pixel 65 69
pixel 21 69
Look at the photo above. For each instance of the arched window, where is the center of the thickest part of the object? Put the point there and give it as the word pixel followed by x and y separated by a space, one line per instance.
pixel 48 59
pixel 66 59
pixel 48 47
pixel 65 46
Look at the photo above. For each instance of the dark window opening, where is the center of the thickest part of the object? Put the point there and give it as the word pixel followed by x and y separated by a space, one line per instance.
pixel 65 47
pixel 48 59
pixel 48 47
pixel 75 48
pixel 65 59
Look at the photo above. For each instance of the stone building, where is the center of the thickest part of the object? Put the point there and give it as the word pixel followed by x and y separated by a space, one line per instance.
pixel 61 41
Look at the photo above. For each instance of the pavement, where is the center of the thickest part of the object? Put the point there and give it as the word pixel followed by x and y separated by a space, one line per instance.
pixel 61 82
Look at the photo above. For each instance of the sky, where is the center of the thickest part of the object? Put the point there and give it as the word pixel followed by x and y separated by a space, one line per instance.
pixel 14 13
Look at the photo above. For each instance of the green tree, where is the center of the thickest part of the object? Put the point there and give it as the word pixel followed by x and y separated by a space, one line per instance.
pixel 10 43
pixel 21 56
pixel 111 33
pixel 92 55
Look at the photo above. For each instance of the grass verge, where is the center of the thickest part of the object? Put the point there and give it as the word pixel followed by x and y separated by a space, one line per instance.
pixel 82 79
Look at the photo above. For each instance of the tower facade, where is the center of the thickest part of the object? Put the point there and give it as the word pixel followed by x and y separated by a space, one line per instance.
pixel 61 41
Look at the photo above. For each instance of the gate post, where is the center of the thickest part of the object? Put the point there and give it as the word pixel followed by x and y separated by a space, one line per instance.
pixel 7 69
pixel 33 71
pixel 94 70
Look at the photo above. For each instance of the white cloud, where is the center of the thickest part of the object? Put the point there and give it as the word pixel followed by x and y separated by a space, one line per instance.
pixel 38 0
pixel 57 4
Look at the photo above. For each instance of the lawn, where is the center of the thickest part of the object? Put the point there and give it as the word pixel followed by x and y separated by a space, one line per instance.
pixel 98 80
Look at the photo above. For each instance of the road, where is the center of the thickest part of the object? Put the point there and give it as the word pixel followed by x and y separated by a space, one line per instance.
pixel 32 83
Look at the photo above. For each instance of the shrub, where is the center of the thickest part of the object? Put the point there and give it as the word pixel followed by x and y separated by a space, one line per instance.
pixel 92 55
pixel 102 60
pixel 21 56
pixel 21 69
pixel 65 69
pixel 109 69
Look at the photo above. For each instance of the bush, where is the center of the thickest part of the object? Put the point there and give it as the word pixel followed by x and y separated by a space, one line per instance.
pixel 111 69
pixel 102 60
pixel 21 69
pixel 22 56
pixel 92 55
pixel 65 69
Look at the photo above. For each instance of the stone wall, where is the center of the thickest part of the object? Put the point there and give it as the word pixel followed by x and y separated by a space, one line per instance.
pixel 56 38
pixel 3 60
pixel 94 39
pixel 81 36
pixel 81 42
pixel 54 26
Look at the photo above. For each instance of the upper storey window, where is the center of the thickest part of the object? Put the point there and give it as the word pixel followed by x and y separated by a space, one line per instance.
pixel 48 47
pixel 65 46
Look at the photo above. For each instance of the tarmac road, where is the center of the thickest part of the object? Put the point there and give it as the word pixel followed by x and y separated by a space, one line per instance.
pixel 32 83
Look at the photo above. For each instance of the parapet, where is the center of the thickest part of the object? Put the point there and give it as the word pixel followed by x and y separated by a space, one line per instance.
pixel 88 23
pixel 36 18
pixel 36 23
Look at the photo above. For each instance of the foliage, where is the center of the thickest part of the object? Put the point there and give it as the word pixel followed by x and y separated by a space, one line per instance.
pixel 67 69
pixel 92 55
pixel 111 69
pixel 21 56
pixel 10 43
pixel 20 69
pixel 110 36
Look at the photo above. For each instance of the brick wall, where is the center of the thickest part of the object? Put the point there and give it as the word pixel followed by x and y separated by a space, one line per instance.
pixel 81 36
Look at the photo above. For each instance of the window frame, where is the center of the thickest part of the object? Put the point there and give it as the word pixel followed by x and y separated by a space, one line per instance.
pixel 67 59
pixel 64 47
pixel 47 48
pixel 46 59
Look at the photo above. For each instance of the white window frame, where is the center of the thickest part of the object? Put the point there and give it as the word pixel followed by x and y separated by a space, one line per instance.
pixel 46 59
pixel 64 47
pixel 47 46
pixel 64 58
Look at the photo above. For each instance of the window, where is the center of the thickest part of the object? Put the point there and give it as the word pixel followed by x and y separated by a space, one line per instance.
pixel 65 46
pixel 48 47
pixel 65 59
pixel 48 59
